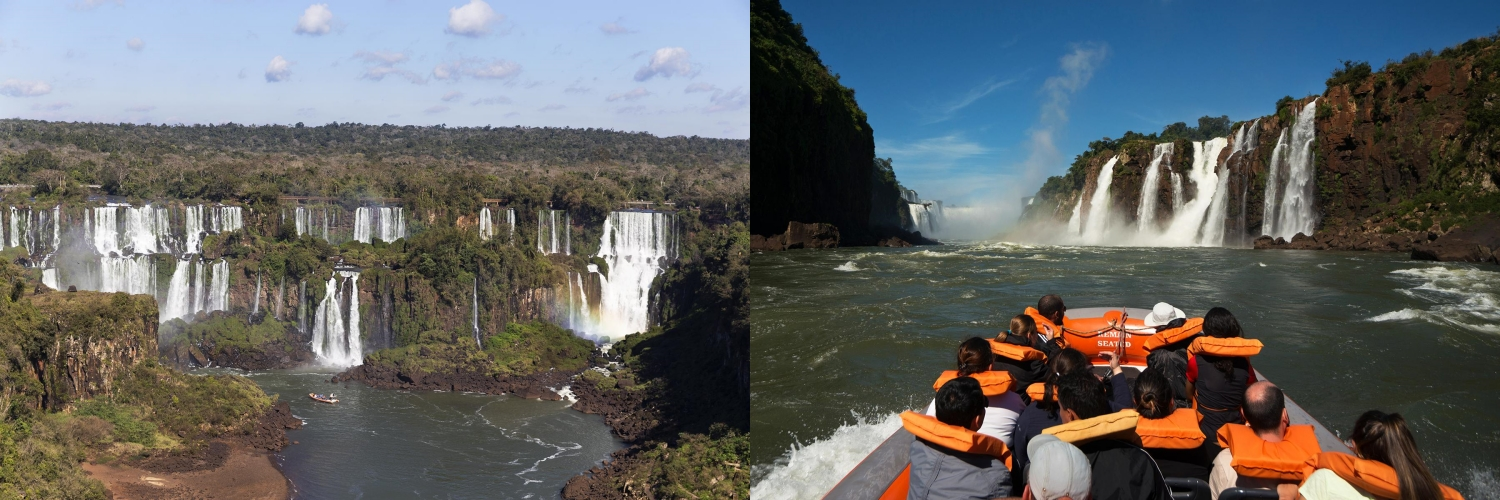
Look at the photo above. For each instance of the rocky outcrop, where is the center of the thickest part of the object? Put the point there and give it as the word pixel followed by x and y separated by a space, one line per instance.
pixel 92 341
pixel 1475 242
pixel 1345 239
pixel 798 235
pixel 543 386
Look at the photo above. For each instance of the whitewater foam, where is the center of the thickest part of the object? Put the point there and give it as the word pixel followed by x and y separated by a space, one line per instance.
pixel 1462 297
pixel 810 471
pixel 847 267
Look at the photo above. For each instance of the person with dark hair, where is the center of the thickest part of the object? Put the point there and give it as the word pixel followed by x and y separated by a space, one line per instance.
pixel 1173 366
pixel 1049 316
pixel 1218 371
pixel 1121 468
pixel 1169 433
pixel 1266 452
pixel 1041 413
pixel 1021 352
pixel 1388 465
pixel 949 460
pixel 1003 404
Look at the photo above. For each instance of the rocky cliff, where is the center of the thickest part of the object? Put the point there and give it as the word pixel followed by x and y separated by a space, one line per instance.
pixel 1401 157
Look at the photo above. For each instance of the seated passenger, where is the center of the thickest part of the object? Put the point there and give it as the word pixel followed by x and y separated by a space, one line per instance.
pixel 1163 316
pixel 1170 434
pixel 1048 314
pixel 1121 468
pixel 1218 372
pixel 1173 366
pixel 1059 471
pixel 1268 453
pixel 1022 353
pixel 948 459
pixel 1388 465
pixel 1041 413
pixel 1003 404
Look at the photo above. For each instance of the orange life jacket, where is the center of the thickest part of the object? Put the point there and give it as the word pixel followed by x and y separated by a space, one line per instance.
pixel 1037 391
pixel 1015 352
pixel 992 382
pixel 1288 460
pixel 1044 325
pixel 1374 477
pixel 1233 347
pixel 1164 338
pixel 954 437
pixel 1119 424
pixel 1178 431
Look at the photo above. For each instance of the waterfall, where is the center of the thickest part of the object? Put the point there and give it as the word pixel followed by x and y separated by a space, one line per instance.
pixel 1273 183
pixel 386 223
pixel 548 241
pixel 218 291
pixel 198 290
pixel 1295 210
pixel 486 226
pixel 510 218
pixel 1187 223
pixel 178 294
pixel 105 230
pixel 300 219
pixel 476 313
pixel 335 341
pixel 638 246
pixel 132 275
pixel 362 224
pixel 1075 223
pixel 1096 220
pixel 1145 215
pixel 255 309
pixel 192 224
pixel 16 230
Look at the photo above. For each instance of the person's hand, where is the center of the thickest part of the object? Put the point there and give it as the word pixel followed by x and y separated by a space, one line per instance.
pixel 1114 362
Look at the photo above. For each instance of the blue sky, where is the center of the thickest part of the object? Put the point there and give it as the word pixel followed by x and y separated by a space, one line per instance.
pixel 978 102
pixel 669 68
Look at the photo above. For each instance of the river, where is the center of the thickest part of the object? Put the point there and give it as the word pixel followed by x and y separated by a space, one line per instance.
pixel 378 443
pixel 843 340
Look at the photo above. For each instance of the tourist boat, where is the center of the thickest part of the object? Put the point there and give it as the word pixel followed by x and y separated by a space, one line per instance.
pixel 1095 330
pixel 322 399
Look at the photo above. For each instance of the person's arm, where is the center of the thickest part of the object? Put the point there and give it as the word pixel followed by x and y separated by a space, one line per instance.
pixel 1192 370
pixel 1251 369
pixel 1121 386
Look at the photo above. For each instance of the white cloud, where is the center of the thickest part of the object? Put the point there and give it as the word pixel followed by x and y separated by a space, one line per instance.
pixel 632 95
pixel 383 63
pixel 452 95
pixel 472 19
pixel 316 20
pixel 24 88
pixel 614 28
pixel 278 70
pixel 666 62
pixel 700 87
pixel 135 44
pixel 435 109
pixel 491 101
pixel 933 152
pixel 727 101
pixel 140 109
pixel 498 69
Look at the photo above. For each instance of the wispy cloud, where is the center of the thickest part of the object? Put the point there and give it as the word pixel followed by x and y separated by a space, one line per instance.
pixel 381 64
pixel 940 153
pixel 489 101
pixel 24 88
pixel 497 69
pixel 452 95
pixel 632 95
pixel 551 107
pixel 435 109
pixel 949 110
pixel 135 44
pixel 614 28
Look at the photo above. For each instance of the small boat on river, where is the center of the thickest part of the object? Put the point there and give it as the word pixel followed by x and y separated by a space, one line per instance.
pixel 322 399
pixel 1093 331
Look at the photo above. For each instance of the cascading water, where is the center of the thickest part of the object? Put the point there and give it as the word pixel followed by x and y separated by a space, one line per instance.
pixel 554 232
pixel 386 223
pixel 1096 220
pixel 336 339
pixel 1187 223
pixel 1075 222
pixel 476 314
pixel 637 246
pixel 1146 213
pixel 1295 209
pixel 486 226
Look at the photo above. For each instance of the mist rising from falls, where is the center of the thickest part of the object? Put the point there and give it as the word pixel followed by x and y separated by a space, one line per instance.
pixel 336 339
pixel 637 246
pixel 1290 202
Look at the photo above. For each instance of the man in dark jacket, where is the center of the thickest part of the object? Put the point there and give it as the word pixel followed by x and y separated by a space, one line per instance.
pixel 938 472
pixel 1122 470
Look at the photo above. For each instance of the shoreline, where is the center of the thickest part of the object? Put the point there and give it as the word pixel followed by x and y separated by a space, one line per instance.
pixel 245 473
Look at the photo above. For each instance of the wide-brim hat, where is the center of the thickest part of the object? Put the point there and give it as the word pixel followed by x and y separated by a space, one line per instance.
pixel 1162 314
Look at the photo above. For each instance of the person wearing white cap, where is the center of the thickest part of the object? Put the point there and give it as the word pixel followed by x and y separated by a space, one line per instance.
pixel 1058 470
pixel 1163 315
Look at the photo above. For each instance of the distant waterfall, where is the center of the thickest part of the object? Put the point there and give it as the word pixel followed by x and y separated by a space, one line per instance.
pixel 1146 213
pixel 923 216
pixel 487 223
pixel 637 246
pixel 477 339
pixel 386 223
pixel 336 339
pixel 1096 220
pixel 1187 224
pixel 194 288
pixel 1075 222
pixel 554 232
pixel 1290 192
